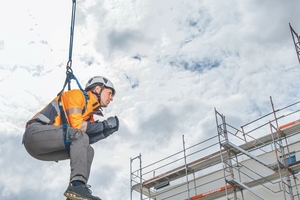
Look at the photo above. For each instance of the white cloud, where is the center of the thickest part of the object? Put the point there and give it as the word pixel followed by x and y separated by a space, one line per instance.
pixel 172 63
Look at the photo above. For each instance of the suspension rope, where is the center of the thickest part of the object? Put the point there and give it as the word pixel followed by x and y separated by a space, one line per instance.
pixel 69 64
pixel 69 77
pixel 69 71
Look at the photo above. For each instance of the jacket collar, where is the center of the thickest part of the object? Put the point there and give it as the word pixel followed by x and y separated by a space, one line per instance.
pixel 93 100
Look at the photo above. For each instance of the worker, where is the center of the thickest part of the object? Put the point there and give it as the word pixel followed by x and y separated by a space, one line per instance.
pixel 44 138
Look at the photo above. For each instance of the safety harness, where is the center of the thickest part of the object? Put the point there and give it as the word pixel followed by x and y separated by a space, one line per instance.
pixel 69 77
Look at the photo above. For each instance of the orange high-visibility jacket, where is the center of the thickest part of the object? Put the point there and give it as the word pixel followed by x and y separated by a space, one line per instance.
pixel 78 114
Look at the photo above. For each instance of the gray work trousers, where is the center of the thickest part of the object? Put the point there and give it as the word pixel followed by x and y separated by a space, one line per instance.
pixel 46 142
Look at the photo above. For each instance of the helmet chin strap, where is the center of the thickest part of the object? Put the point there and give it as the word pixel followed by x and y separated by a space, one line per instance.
pixel 99 95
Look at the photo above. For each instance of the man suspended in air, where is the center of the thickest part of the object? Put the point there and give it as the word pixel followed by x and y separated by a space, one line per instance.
pixel 46 138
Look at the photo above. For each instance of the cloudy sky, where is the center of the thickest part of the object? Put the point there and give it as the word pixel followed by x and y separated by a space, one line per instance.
pixel 171 61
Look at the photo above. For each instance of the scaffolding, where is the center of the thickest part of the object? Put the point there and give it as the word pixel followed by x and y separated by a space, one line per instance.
pixel 227 169
pixel 234 171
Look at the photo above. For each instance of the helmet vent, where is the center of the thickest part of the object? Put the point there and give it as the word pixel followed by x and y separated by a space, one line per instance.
pixel 105 80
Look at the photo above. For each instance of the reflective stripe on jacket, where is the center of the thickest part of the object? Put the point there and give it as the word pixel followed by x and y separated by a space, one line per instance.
pixel 76 110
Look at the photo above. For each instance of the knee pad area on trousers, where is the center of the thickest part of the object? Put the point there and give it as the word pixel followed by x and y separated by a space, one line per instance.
pixel 79 136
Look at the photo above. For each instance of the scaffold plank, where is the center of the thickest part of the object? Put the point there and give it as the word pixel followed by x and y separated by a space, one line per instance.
pixel 238 150
pixel 236 183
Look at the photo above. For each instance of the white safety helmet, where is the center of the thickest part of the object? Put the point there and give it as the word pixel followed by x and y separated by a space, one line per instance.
pixel 101 81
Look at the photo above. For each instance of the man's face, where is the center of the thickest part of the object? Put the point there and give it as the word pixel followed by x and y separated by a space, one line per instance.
pixel 106 97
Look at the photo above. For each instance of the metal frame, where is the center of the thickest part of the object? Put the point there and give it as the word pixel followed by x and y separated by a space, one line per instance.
pixel 230 163
pixel 296 40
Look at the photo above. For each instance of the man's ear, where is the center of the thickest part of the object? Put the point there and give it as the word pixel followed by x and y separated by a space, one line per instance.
pixel 96 89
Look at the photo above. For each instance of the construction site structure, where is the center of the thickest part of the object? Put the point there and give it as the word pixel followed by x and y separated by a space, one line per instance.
pixel 296 41
pixel 259 160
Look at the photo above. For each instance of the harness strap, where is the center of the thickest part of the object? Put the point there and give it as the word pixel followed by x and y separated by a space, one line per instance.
pixel 65 125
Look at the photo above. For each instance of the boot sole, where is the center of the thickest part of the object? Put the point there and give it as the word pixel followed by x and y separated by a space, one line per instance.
pixel 73 196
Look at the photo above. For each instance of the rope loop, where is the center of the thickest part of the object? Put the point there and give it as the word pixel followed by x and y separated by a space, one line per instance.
pixel 69 67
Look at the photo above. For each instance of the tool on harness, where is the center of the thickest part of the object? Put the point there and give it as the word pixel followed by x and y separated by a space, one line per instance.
pixel 69 77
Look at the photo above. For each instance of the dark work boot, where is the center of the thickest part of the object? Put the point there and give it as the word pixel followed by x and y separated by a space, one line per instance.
pixel 80 192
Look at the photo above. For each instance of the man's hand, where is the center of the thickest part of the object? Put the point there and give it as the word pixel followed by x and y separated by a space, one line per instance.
pixel 108 127
pixel 111 125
